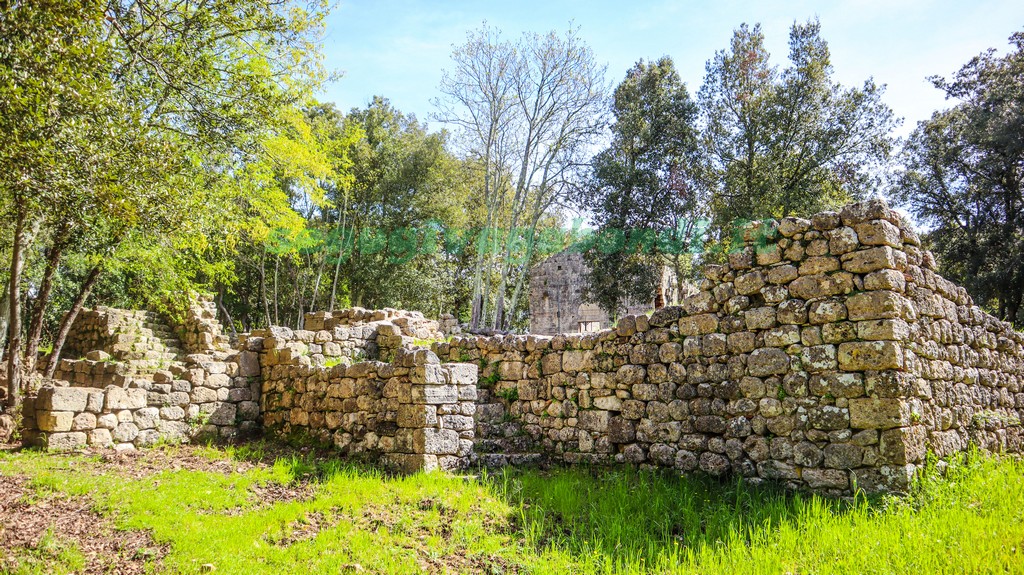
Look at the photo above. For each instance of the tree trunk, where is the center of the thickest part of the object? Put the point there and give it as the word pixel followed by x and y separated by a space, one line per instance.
pixel 5 320
pixel 69 318
pixel 263 287
pixel 14 289
pixel 42 300
pixel 224 310
pixel 277 266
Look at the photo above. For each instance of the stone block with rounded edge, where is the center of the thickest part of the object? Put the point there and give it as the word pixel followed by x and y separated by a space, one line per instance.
pixel 767 361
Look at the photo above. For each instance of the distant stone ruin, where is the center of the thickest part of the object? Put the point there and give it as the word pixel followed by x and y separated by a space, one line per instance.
pixel 557 303
pixel 827 354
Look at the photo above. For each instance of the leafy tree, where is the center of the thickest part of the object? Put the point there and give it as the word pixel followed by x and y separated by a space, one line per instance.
pixel 640 186
pixel 130 111
pixel 787 142
pixel 964 177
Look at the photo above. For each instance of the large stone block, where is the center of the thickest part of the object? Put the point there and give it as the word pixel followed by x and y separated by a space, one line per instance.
pixel 435 441
pixel 879 413
pixel 880 304
pixel 767 361
pixel 248 364
pixel 435 394
pixel 870 355
pixel 417 415
pixel 54 421
pixel 698 324
pixel 903 445
pixel 879 233
pixel 64 441
pixel 874 259
pixel 594 420
pixel 118 398
pixel 62 398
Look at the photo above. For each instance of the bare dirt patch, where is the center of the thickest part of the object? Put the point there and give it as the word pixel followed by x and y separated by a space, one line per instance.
pixel 26 518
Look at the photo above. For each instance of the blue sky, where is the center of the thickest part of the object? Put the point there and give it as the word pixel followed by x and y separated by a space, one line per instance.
pixel 398 48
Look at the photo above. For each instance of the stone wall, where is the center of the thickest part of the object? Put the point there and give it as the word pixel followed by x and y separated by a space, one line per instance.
pixel 826 354
pixel 137 387
pixel 199 330
pixel 413 413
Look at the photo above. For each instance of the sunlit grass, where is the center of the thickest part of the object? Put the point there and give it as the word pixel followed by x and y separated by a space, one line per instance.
pixel 347 517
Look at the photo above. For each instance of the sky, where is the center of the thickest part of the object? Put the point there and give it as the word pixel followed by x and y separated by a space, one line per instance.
pixel 399 48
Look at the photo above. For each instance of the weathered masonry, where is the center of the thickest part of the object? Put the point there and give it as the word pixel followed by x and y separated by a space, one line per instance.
pixel 826 354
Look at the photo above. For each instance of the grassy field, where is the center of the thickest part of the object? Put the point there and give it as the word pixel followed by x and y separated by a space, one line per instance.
pixel 247 510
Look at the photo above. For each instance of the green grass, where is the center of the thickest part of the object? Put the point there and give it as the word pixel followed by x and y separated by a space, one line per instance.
pixel 564 521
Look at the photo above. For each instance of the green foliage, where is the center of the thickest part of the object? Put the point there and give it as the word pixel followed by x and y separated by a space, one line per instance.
pixel 963 178
pixel 790 142
pixel 509 394
pixel 640 185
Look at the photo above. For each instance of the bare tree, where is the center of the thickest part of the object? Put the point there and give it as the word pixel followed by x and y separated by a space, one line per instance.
pixel 527 109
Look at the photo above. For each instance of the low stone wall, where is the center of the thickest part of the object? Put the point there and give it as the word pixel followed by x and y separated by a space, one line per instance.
pixel 414 413
pixel 209 397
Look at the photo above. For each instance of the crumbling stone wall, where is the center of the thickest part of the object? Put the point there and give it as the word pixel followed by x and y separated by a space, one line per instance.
pixel 199 330
pixel 412 414
pixel 138 388
pixel 827 354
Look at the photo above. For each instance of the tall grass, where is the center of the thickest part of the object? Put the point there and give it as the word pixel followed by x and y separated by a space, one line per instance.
pixel 345 518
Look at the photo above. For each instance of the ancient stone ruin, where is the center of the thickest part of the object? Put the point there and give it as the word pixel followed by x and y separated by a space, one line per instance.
pixel 827 354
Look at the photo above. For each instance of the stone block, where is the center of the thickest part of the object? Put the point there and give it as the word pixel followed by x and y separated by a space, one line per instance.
pixel 874 259
pixel 54 421
pixel 67 441
pixel 435 441
pixel 870 355
pixel 883 329
pixel 62 398
pixel 879 233
pixel 223 414
pixel 248 364
pixel 118 398
pixel 411 463
pixel 100 437
pixel 125 432
pixel 698 324
pixel 767 361
pixel 83 422
pixel 880 413
pixel 903 445
pixel 434 394
pixel 879 304
pixel 147 417
pixel 594 420
pixel 417 415
pixel 760 318
pixel 826 478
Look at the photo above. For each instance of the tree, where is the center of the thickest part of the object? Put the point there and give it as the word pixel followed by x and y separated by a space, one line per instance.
pixel 639 189
pixel 964 177
pixel 134 109
pixel 527 111
pixel 791 142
